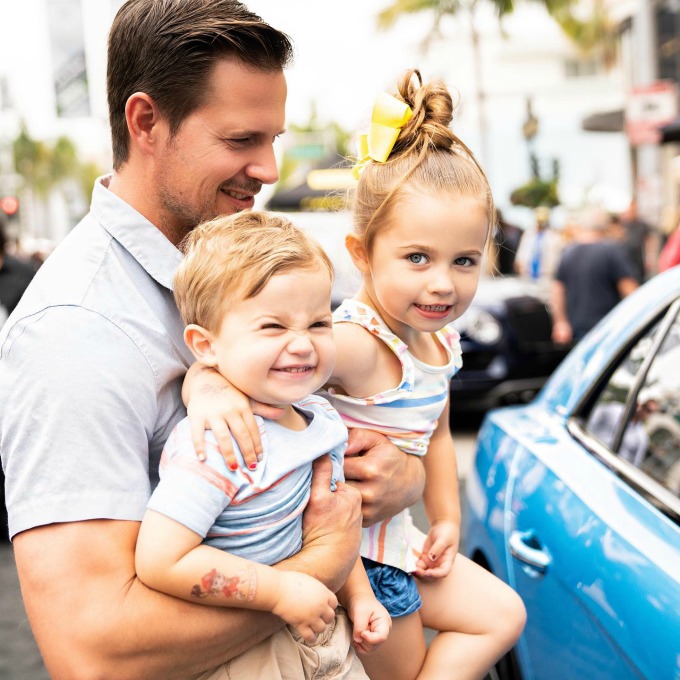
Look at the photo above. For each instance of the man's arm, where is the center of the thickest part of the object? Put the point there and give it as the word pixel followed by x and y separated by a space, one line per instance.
pixel 92 617
pixel 561 332
pixel 388 479
pixel 626 286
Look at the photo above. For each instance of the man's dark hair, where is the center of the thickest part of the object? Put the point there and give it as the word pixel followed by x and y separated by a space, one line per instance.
pixel 167 48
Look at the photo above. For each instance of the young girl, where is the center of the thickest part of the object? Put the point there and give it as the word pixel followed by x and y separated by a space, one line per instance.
pixel 422 217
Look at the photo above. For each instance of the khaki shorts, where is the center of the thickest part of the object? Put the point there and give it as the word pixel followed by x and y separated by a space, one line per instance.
pixel 286 656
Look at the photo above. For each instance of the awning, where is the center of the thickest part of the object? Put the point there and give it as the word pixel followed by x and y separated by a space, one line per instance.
pixel 605 121
pixel 670 132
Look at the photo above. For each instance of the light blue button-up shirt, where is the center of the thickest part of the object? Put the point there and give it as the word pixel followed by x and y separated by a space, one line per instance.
pixel 91 367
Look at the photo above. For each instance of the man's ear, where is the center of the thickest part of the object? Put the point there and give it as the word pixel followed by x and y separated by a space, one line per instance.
pixel 142 117
pixel 199 341
pixel 357 252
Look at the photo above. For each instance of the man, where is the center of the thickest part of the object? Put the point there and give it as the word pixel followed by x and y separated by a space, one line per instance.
pixel 15 276
pixel 641 242
pixel 539 250
pixel 93 356
pixel 593 275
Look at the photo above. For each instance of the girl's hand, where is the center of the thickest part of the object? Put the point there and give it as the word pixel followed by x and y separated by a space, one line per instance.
pixel 371 622
pixel 439 550
pixel 213 404
pixel 306 604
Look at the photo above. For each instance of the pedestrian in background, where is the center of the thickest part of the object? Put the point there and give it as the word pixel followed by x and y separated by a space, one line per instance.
pixel 507 237
pixel 641 242
pixel 15 275
pixel 539 250
pixel 593 275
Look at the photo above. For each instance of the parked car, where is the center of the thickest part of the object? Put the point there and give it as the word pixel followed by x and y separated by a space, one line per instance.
pixel 574 500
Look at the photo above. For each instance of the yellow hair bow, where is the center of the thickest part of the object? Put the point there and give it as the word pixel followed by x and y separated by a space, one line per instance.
pixel 389 116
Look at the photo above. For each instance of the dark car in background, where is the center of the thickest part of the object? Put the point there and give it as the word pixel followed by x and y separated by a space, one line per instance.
pixel 574 501
pixel 508 353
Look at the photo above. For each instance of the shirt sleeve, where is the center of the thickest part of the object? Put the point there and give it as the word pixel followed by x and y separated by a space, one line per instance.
pixel 80 410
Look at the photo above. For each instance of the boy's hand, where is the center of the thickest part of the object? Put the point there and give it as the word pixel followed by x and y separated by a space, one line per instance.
pixel 306 604
pixel 370 620
pixel 439 551
pixel 388 479
pixel 213 404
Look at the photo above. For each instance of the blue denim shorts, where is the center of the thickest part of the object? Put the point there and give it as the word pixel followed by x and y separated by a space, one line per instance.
pixel 394 589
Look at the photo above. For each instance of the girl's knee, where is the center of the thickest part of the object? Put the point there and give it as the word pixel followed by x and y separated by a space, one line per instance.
pixel 511 616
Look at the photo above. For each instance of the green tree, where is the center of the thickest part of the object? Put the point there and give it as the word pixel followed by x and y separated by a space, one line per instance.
pixel 587 34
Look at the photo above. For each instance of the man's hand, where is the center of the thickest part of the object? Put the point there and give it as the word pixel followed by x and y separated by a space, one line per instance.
pixel 387 479
pixel 214 404
pixel 331 530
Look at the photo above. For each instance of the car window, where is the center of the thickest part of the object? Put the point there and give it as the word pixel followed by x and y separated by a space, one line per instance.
pixel 637 414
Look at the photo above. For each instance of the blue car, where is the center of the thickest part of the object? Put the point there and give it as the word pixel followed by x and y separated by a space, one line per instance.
pixel 574 500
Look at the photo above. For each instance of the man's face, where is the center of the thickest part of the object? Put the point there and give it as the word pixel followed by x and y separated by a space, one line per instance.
pixel 223 152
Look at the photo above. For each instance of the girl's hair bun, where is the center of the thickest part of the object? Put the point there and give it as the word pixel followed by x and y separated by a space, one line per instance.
pixel 432 107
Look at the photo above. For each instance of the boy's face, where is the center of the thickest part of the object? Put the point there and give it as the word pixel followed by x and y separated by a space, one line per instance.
pixel 277 347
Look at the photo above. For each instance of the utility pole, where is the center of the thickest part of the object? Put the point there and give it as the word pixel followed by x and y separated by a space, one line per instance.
pixel 647 189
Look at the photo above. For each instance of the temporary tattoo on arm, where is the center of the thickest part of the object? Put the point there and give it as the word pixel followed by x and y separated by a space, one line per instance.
pixel 240 586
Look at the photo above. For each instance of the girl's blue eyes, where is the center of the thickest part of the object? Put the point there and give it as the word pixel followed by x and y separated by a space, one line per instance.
pixel 419 258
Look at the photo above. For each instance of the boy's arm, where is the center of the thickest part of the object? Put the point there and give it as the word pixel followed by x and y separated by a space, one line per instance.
pixel 441 501
pixel 170 558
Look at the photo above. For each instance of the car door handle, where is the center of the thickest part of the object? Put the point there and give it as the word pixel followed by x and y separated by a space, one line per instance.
pixel 525 547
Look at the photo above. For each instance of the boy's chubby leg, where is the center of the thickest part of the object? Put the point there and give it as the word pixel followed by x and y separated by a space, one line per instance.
pixel 285 656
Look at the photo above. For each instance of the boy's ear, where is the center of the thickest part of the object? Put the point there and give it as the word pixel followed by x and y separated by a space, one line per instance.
pixel 357 252
pixel 199 341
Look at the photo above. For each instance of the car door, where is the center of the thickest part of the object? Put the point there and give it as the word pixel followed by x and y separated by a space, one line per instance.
pixel 592 540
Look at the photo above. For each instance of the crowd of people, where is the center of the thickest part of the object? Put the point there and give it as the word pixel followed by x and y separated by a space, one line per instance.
pixel 588 265
pixel 192 426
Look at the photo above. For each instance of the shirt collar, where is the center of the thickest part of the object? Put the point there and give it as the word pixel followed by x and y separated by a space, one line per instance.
pixel 143 240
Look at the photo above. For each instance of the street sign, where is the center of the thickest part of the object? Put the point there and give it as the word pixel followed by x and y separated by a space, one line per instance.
pixel 647 109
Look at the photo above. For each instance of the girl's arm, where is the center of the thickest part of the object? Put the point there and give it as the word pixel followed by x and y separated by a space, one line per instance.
pixel 171 559
pixel 214 404
pixel 371 622
pixel 441 501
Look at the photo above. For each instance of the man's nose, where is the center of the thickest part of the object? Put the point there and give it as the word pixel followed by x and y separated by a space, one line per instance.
pixel 263 166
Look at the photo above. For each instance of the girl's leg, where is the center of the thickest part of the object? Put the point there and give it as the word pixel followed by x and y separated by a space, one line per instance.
pixel 401 655
pixel 479 618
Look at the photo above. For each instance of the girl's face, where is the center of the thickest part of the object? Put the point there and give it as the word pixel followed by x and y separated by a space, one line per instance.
pixel 425 264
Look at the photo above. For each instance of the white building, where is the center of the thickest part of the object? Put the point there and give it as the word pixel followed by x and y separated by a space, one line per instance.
pixel 342 60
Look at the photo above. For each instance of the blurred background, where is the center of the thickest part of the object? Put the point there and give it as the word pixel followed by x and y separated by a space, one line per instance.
pixel 564 102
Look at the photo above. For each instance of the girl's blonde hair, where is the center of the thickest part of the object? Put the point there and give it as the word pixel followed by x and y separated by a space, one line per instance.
pixel 427 158
pixel 232 258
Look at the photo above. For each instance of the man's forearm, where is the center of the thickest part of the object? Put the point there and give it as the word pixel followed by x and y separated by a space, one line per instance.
pixel 92 618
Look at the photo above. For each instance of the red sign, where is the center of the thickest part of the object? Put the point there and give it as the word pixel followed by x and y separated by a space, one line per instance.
pixel 648 108
pixel 9 204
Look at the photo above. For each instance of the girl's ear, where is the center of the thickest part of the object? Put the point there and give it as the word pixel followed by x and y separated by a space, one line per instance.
pixel 199 341
pixel 357 252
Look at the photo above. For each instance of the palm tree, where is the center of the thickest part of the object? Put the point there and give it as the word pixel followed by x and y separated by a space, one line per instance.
pixel 559 9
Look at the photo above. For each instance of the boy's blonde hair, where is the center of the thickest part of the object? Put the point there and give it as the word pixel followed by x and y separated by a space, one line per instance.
pixel 427 158
pixel 232 258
